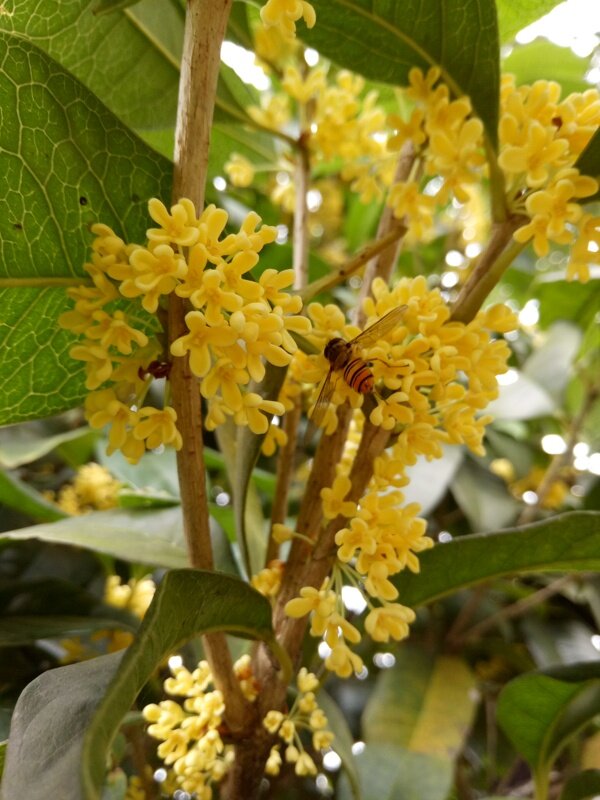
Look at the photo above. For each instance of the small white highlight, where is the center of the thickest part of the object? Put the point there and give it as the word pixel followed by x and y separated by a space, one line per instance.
pixel 324 650
pixel 449 279
pixel 594 464
pixel 553 444
pixel 454 258
pixel 530 313
pixel 311 57
pixel 358 748
pixel 593 247
pixel 314 200
pixel 220 183
pixel 595 640
pixel 472 250
pixel 581 449
pixel 511 376
pixel 353 599
pixel 160 775
pixel 222 499
pixel 283 178
pixel 577 490
pixel 331 761
pixel 323 785
pixel 581 463
pixel 175 662
pixel 363 674
pixel 282 234
pixel 242 62
pixel 384 660
pixel 445 536
pixel 530 498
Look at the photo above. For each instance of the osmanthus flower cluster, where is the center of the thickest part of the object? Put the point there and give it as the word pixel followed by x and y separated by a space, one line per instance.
pixel 236 324
pixel 92 488
pixel 192 746
pixel 540 137
pixel 433 377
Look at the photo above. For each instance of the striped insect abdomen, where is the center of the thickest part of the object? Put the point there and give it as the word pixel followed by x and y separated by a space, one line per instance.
pixel 358 376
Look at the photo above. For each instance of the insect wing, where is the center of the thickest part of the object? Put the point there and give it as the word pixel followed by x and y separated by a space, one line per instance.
pixel 379 329
pixel 320 407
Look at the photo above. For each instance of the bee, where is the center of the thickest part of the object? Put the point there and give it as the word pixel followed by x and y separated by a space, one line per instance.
pixel 344 357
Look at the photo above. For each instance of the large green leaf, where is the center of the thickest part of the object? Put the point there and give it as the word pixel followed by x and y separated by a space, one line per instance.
pixel 383 40
pixel 23 629
pixel 15 493
pixel 129 59
pixel 389 772
pixel 66 719
pixel 588 162
pixel 541 711
pixel 433 716
pixel 584 786
pixel 67 162
pixel 483 497
pixel 568 542
pixel 146 537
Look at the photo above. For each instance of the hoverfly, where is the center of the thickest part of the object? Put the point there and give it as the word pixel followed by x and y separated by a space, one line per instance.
pixel 344 358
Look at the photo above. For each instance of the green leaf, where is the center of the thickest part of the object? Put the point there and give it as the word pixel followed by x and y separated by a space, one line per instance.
pixel 343 741
pixel 69 163
pixel 541 711
pixel 383 41
pixel 560 299
pixel 137 75
pixel 521 399
pixel 549 365
pixel 530 63
pixel 567 542
pixel 23 629
pixel 583 786
pixel 388 772
pixel 242 455
pixel 81 706
pixel 14 493
pixel 433 716
pixel 146 537
pixel 110 6
pixel 514 15
pixel 22 444
pixel 429 480
pixel 483 497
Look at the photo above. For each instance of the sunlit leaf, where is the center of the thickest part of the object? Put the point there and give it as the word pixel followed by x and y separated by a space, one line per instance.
pixel 434 717
pixel 529 63
pixel 390 772
pixel 514 15
pixel 483 497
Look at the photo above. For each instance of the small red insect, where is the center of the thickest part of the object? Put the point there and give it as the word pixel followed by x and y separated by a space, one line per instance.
pixel 158 369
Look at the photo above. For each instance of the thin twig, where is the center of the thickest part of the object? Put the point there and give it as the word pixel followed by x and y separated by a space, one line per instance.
pixel 517 609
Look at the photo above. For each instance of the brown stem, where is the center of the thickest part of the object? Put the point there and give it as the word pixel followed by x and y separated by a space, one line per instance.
pixel 493 262
pixel 285 469
pixel 206 22
pixel 516 609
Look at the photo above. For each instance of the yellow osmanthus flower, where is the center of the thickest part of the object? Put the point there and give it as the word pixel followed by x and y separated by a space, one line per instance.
pixel 305 714
pixel 239 170
pixel 235 326
pixel 93 487
pixel 283 14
